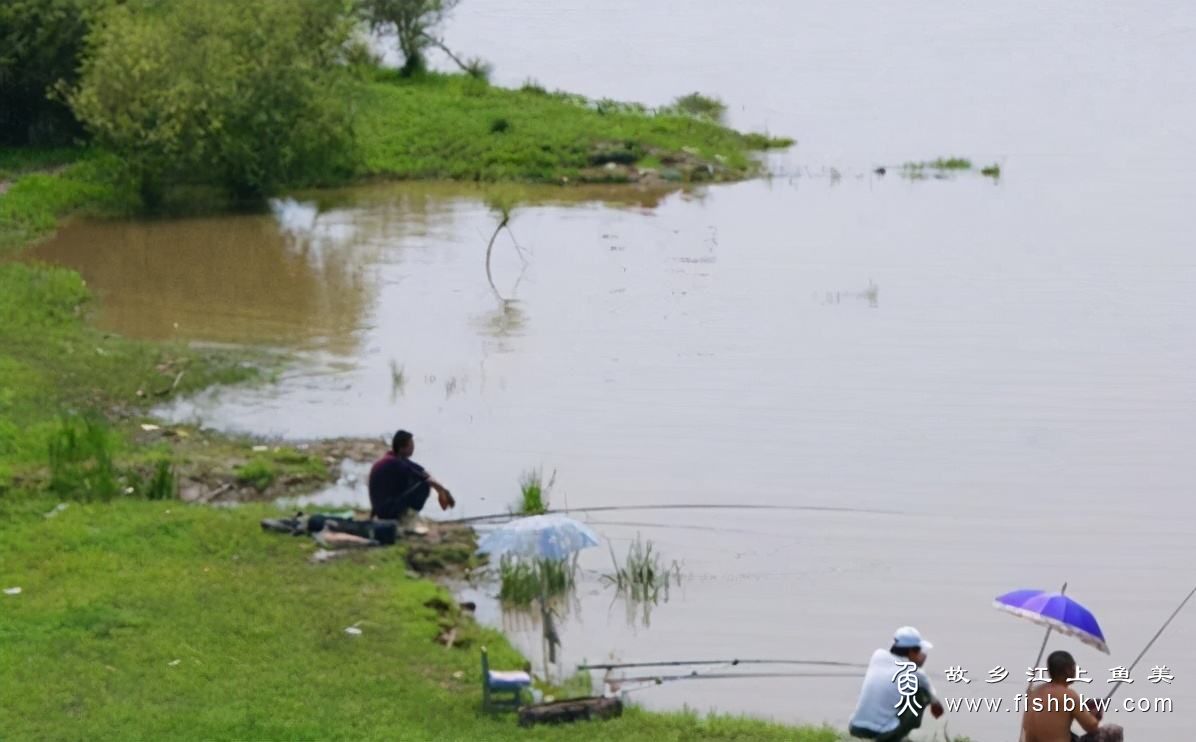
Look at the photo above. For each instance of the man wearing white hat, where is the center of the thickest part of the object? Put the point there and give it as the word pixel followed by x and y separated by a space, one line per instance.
pixel 896 692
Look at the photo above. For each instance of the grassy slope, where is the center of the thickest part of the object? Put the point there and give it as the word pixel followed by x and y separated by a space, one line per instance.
pixel 112 594
pixel 441 127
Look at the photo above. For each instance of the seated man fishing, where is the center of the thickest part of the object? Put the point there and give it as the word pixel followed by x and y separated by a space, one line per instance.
pixel 896 693
pixel 399 487
pixel 1052 707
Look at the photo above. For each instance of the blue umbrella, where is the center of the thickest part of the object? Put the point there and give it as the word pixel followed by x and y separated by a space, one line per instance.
pixel 1056 611
pixel 539 537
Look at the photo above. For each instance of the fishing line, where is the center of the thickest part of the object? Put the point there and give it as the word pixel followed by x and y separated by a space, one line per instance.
pixel 687 527
pixel 730 662
pixel 650 681
pixel 616 508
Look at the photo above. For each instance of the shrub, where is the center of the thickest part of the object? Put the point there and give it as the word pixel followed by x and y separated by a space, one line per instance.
pixel 700 106
pixel 247 96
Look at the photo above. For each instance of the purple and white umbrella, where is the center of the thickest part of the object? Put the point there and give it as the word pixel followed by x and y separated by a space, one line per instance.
pixel 1055 611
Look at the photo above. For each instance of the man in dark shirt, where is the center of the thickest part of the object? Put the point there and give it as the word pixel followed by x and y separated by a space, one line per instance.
pixel 399 487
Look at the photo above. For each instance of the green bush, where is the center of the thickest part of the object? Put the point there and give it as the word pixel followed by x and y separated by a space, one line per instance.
pixel 247 96
pixel 701 106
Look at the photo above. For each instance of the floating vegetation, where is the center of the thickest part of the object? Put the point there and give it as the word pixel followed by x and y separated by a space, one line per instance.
pixel 951 163
pixel 993 171
pixel 524 581
pixel 533 492
pixel 940 166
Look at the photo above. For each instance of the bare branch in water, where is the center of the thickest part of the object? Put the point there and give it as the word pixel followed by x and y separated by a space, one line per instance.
pixel 506 219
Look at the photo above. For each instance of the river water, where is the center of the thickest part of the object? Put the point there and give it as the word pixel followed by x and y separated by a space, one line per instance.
pixel 1005 368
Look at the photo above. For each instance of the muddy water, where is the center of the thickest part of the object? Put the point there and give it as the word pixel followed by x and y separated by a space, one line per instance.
pixel 1007 365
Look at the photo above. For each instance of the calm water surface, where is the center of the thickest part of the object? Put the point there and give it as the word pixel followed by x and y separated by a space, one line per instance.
pixel 1007 365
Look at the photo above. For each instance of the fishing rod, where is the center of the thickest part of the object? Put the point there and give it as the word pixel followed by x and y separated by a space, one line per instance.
pixel 614 508
pixel 730 663
pixel 1153 639
pixel 660 679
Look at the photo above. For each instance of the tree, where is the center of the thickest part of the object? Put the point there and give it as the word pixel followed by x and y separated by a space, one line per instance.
pixel 246 95
pixel 412 22
pixel 40 45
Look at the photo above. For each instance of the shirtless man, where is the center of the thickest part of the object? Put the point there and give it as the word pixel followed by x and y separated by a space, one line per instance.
pixel 1053 706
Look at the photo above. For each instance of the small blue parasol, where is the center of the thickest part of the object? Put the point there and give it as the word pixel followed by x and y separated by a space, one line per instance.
pixel 539 537
pixel 1055 611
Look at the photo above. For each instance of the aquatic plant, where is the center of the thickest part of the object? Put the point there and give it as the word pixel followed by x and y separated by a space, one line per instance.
pixel 952 163
pixel 533 492
pixel 523 581
pixel 643 575
pixel 398 379
pixel 993 171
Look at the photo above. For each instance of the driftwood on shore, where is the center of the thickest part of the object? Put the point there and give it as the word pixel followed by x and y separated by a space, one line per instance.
pixel 576 709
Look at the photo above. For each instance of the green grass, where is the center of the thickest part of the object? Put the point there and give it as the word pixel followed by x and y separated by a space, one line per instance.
pixel 35 201
pixel 444 126
pixel 15 161
pixel 265 468
pixel 993 171
pixel 52 361
pixel 157 620
pixel 258 473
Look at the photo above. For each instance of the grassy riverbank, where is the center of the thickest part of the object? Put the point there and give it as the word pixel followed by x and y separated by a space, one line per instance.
pixel 458 127
pixel 141 618
pixel 159 620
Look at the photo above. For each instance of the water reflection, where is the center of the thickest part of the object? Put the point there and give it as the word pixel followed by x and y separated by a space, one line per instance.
pixel 291 277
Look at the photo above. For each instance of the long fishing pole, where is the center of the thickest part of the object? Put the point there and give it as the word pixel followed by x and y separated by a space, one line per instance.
pixel 614 508
pixel 659 679
pixel 1153 639
pixel 730 663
